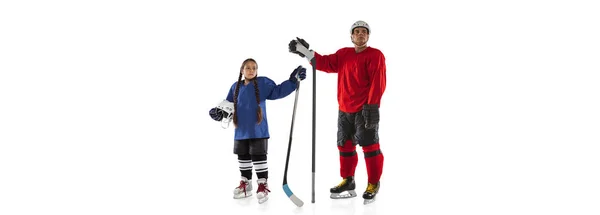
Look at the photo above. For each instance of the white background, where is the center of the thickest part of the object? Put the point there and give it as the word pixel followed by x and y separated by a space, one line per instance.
pixel 490 107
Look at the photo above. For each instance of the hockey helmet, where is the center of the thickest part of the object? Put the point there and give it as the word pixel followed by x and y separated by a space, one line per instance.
pixel 360 23
pixel 227 109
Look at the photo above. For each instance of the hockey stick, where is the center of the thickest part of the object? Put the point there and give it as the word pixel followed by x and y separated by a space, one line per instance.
pixel 313 61
pixel 286 188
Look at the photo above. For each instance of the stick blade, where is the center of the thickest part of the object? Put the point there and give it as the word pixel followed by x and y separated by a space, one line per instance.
pixel 292 197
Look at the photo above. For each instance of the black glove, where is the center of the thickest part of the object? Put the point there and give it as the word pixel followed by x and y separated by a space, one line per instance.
pixel 293 46
pixel 216 114
pixel 300 72
pixel 371 114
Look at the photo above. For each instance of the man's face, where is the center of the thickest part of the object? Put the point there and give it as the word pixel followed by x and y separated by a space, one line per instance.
pixel 360 36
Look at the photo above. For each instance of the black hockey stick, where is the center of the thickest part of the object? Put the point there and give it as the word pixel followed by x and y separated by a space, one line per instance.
pixel 313 61
pixel 286 188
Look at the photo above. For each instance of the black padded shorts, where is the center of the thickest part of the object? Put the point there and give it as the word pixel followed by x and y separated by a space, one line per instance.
pixel 250 146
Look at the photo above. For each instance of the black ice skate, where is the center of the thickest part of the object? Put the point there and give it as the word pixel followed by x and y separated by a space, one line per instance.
pixel 370 193
pixel 344 190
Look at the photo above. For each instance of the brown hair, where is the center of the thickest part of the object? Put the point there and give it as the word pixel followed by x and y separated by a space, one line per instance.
pixel 256 92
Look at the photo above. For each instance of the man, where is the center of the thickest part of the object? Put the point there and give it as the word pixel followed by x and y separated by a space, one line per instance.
pixel 361 82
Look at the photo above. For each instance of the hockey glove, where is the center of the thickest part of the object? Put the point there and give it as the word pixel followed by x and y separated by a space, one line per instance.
pixel 300 46
pixel 371 114
pixel 298 73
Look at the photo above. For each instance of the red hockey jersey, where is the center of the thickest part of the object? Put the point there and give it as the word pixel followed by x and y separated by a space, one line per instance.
pixel 361 76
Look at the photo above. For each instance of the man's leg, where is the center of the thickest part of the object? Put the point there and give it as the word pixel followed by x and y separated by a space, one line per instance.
pixel 374 162
pixel 346 147
pixel 368 139
pixel 348 158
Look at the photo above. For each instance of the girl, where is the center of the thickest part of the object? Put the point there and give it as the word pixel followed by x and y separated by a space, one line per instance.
pixel 248 96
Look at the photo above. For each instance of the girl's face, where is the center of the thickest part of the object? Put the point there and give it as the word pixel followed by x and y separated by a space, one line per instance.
pixel 249 70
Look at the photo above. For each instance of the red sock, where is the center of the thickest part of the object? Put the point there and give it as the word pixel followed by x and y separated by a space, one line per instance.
pixel 348 159
pixel 374 162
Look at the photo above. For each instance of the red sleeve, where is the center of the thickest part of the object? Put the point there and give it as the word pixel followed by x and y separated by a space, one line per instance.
pixel 377 76
pixel 327 63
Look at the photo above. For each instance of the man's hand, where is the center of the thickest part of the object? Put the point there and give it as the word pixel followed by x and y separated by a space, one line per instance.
pixel 300 47
pixel 371 114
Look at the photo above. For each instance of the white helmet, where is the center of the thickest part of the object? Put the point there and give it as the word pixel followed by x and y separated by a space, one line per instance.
pixel 227 109
pixel 360 23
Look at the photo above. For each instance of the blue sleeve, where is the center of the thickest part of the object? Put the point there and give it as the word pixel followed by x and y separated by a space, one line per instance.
pixel 230 94
pixel 279 91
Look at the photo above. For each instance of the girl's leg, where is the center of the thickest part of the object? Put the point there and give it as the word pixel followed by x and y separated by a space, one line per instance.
pixel 245 165
pixel 244 189
pixel 258 154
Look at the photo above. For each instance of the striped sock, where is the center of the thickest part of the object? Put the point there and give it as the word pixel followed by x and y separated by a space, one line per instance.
pixel 260 166
pixel 245 163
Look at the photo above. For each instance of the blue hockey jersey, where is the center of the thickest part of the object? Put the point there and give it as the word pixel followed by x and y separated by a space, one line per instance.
pixel 247 106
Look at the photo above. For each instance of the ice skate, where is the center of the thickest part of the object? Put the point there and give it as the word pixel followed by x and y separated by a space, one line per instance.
pixel 262 193
pixel 370 193
pixel 344 190
pixel 243 190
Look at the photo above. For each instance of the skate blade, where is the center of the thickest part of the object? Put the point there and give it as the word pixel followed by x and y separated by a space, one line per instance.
pixel 368 201
pixel 343 195
pixel 242 195
pixel 263 200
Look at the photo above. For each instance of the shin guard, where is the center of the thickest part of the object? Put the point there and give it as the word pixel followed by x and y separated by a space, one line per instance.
pixel 348 159
pixel 374 162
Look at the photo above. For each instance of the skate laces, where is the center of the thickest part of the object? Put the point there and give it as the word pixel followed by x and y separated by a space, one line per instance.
pixel 262 187
pixel 342 183
pixel 371 188
pixel 242 185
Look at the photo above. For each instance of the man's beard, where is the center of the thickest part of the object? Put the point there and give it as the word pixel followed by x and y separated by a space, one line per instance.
pixel 359 43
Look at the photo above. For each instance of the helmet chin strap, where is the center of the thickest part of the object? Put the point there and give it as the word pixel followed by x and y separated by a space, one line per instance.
pixel 359 47
pixel 225 122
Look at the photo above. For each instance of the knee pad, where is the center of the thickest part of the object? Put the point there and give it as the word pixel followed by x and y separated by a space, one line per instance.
pixel 371 150
pixel 348 149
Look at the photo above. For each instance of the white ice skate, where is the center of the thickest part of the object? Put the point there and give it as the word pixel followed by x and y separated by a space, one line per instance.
pixel 243 190
pixel 262 193
pixel 344 190
pixel 370 193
